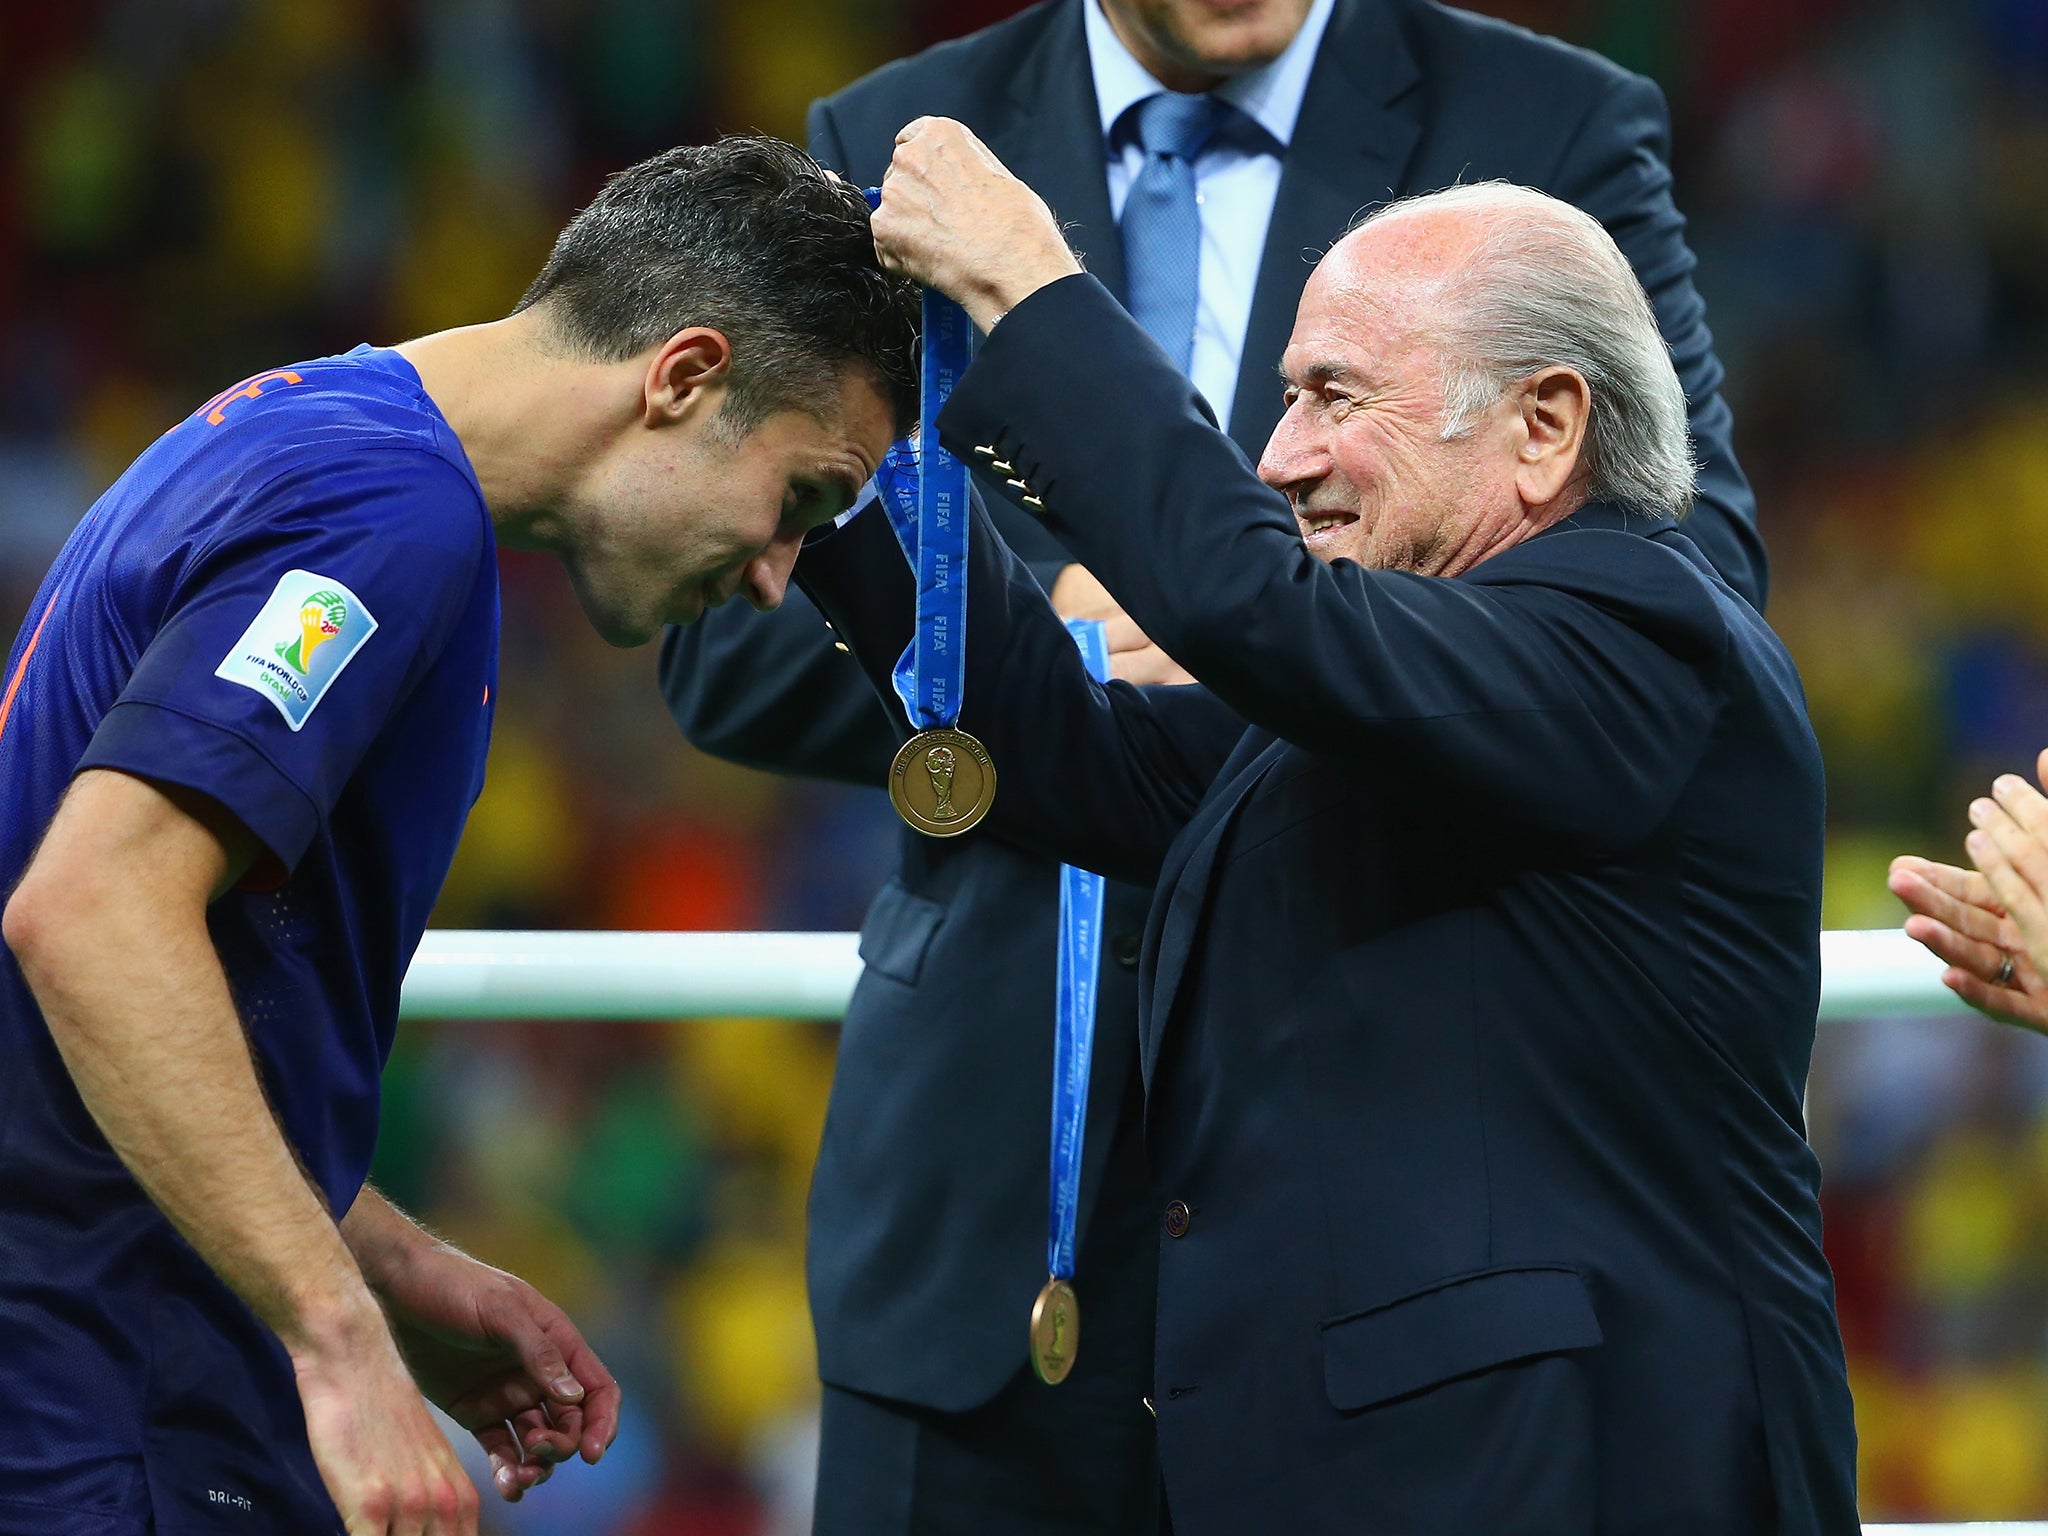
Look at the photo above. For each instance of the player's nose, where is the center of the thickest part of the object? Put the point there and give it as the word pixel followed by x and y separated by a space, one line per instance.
pixel 767 577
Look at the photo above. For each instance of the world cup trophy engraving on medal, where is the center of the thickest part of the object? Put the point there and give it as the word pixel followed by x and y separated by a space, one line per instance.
pixel 942 782
pixel 1055 1331
pixel 938 762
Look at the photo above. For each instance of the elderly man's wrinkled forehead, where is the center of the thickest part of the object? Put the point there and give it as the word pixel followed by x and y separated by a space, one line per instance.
pixel 1398 266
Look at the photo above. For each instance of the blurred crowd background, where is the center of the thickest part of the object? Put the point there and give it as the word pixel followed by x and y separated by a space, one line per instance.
pixel 193 190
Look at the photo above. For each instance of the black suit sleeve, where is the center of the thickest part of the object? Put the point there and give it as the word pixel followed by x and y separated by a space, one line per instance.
pixel 1098 776
pixel 822 131
pixel 1617 168
pixel 1563 687
pixel 769 690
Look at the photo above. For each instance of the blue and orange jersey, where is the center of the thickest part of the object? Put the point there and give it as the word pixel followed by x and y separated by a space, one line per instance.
pixel 289 603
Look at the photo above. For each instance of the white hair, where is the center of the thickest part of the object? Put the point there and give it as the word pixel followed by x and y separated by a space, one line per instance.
pixel 1546 287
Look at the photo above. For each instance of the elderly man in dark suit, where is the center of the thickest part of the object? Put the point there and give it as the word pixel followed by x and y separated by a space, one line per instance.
pixel 1479 984
pixel 1273 123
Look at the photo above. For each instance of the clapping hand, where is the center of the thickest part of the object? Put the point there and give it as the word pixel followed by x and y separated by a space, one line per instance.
pixel 1990 924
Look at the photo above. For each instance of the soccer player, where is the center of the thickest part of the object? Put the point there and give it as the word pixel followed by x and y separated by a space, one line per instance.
pixel 239 734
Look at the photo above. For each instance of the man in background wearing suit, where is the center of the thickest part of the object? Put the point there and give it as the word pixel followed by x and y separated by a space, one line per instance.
pixel 1200 161
pixel 1479 985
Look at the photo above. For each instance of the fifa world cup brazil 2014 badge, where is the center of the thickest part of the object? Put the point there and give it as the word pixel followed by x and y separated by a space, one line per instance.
pixel 311 627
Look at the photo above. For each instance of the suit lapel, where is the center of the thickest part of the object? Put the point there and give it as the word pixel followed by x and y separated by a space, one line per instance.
pixel 1053 143
pixel 1359 122
pixel 1181 897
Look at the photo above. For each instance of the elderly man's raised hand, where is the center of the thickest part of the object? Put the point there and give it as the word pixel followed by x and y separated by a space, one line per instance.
pixel 953 218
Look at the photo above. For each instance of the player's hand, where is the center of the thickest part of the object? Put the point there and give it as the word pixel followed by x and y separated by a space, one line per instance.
pixel 1076 594
pixel 1956 914
pixel 387 1466
pixel 953 218
pixel 504 1362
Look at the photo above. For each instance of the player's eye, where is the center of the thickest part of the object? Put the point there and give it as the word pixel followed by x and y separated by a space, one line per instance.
pixel 808 504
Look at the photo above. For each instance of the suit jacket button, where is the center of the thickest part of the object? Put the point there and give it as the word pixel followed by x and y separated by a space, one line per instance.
pixel 1177 1219
pixel 1124 949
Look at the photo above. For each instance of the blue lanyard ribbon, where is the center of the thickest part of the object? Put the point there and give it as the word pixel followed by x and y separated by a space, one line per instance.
pixel 1080 964
pixel 924 493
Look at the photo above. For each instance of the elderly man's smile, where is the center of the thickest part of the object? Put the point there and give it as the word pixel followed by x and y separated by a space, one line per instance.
pixel 1318 524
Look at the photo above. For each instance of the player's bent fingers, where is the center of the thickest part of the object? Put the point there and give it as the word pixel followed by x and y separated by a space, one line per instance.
pixel 503 1451
pixel 568 1421
pixel 602 1405
pixel 543 1440
pixel 599 1409
pixel 522 1319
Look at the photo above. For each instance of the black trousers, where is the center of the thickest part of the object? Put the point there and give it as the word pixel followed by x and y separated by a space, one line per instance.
pixel 1034 1460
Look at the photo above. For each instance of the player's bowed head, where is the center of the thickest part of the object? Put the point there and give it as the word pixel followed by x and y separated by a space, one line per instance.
pixel 1467 367
pixel 710 365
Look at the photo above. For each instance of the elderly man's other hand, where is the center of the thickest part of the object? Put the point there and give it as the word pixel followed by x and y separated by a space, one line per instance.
pixel 2010 845
pixel 1957 915
pixel 1076 594
pixel 953 218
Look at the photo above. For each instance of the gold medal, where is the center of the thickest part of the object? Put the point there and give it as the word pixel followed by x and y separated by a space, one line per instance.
pixel 1055 1331
pixel 942 782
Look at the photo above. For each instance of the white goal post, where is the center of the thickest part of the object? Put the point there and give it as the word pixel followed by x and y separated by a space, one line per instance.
pixel 583 975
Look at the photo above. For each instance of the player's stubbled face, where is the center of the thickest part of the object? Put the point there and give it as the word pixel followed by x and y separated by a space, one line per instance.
pixel 691 516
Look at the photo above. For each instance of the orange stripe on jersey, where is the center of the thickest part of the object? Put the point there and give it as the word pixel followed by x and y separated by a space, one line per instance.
pixel 248 389
pixel 14 683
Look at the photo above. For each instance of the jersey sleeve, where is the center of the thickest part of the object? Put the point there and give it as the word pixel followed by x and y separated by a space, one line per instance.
pixel 291 637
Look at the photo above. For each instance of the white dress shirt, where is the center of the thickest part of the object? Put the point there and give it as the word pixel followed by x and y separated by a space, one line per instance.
pixel 1236 179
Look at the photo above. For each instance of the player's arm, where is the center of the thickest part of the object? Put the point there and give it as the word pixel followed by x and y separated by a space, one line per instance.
pixel 109 926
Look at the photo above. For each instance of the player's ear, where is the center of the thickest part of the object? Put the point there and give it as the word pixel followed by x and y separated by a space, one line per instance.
pixel 687 375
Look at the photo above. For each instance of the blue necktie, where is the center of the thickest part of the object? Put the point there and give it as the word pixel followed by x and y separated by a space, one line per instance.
pixel 1162 226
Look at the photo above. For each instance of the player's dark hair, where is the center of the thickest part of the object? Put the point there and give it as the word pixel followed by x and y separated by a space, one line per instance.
pixel 753 238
